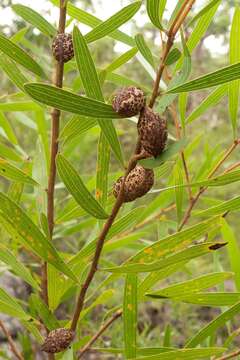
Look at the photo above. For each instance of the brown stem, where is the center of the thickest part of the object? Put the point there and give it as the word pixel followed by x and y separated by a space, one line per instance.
pixel 11 342
pixel 58 81
pixel 230 356
pixel 183 12
pixel 100 243
pixel 202 190
pixel 102 329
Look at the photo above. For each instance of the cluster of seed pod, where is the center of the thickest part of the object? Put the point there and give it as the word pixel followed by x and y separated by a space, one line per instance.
pixel 152 132
pixel 62 47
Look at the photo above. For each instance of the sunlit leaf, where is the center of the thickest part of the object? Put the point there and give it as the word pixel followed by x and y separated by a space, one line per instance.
pixel 130 316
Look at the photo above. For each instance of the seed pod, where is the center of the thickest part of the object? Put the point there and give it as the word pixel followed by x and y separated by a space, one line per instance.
pixel 138 182
pixel 62 47
pixel 57 340
pixel 152 130
pixel 129 101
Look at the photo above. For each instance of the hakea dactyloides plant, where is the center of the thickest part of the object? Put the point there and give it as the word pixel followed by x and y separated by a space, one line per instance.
pixel 64 275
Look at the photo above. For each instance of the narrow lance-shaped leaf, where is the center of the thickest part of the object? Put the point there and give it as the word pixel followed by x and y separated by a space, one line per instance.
pixel 13 173
pixel 17 267
pixel 92 87
pixel 113 23
pixel 213 326
pixel 130 316
pixel 102 170
pixel 10 306
pixel 186 354
pixel 178 79
pixel 233 251
pixel 13 73
pixel 171 151
pixel 191 286
pixel 222 76
pixel 19 55
pixel 78 190
pixel 76 126
pixel 144 49
pixel 121 60
pixel 35 19
pixel 188 254
pixel 67 101
pixel 210 299
pixel 203 11
pixel 155 9
pixel 234 86
pixel 174 243
pixel 212 99
pixel 173 56
pixel 13 217
pixel 92 21
pixel 229 205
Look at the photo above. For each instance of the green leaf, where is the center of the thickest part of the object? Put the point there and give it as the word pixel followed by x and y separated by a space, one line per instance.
pixel 10 306
pixel 14 74
pixel 179 194
pixel 186 354
pixel 92 21
pixel 44 313
pixel 178 79
pixel 210 299
pixel 144 49
pixel 19 55
pixel 67 101
pixel 229 205
pixel 17 267
pixel 233 251
pixel 19 106
pixel 18 36
pixel 173 56
pixel 211 100
pixel 234 86
pixel 121 60
pixel 102 170
pixel 191 286
pixel 130 316
pixel 78 190
pixel 13 173
pixel 203 11
pixel 10 153
pixel 92 87
pixel 14 218
pixel 166 155
pixel 4 124
pixel 75 127
pixel 114 22
pixel 222 76
pixel 35 19
pixel 213 326
pixel 188 254
pixel 155 9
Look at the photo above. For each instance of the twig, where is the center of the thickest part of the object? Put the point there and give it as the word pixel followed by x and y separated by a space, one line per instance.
pixel 58 80
pixel 183 12
pixel 102 329
pixel 203 189
pixel 100 242
pixel 11 342
pixel 230 356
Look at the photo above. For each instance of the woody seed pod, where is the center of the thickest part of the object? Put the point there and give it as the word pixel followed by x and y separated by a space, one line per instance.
pixel 62 47
pixel 138 182
pixel 57 340
pixel 152 130
pixel 129 101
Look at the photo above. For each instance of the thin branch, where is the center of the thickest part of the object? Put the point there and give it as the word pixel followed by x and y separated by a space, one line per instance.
pixel 230 356
pixel 182 14
pixel 100 242
pixel 58 81
pixel 11 342
pixel 102 329
pixel 203 189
